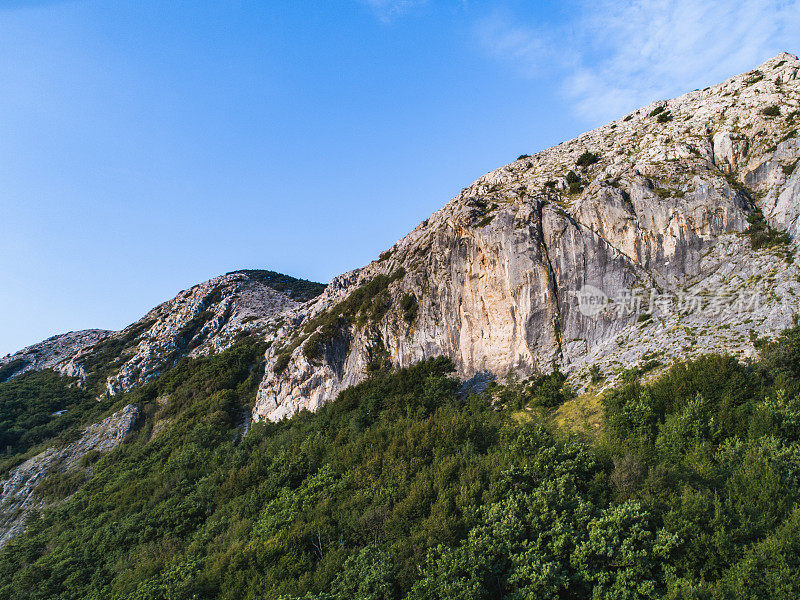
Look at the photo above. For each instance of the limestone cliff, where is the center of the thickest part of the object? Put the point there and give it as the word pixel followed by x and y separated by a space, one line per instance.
pixel 666 233
pixel 645 215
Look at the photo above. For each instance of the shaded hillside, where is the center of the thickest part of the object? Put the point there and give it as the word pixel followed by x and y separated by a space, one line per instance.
pixel 402 488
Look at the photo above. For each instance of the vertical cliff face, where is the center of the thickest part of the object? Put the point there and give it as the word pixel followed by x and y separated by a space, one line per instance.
pixel 651 207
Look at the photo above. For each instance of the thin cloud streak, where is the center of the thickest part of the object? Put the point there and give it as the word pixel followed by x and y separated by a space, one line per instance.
pixel 621 55
pixel 387 10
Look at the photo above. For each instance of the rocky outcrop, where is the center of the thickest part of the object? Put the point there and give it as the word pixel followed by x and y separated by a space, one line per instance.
pixel 18 492
pixel 207 318
pixel 50 353
pixel 624 246
pixel 641 215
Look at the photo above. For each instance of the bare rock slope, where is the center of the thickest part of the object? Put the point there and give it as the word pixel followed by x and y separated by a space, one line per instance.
pixel 205 319
pixel 50 353
pixel 657 235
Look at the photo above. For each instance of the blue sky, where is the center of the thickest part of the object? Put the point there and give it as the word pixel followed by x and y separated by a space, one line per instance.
pixel 146 146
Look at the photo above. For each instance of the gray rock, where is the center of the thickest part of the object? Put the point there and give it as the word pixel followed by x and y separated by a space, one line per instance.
pixel 205 319
pixel 50 353
pixel 497 273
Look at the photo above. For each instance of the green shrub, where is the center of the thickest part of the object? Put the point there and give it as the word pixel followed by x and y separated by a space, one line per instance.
pixel 755 77
pixel 409 306
pixel 314 348
pixel 664 117
pixel 762 234
pixel 573 183
pixel 549 390
pixel 281 362
pixel 662 192
pixel 587 158
pixel 90 458
pixel 59 485
pixel 771 111
pixel 657 111
pixel 595 375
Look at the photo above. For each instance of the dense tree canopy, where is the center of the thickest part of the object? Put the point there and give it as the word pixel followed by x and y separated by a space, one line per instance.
pixel 404 489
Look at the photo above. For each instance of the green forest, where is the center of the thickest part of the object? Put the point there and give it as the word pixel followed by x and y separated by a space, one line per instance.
pixel 402 488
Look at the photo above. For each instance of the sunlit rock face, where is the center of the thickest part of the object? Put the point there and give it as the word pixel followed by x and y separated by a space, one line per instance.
pixel 649 211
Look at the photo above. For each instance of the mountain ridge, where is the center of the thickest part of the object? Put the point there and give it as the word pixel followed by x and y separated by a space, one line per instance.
pixel 656 200
pixel 685 197
pixel 205 318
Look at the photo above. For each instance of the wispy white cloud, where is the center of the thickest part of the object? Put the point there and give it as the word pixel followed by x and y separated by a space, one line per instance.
pixel 620 55
pixel 386 10
pixel 529 48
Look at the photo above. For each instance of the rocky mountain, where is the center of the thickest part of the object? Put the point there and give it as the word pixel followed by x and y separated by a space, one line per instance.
pixel 666 233
pixel 663 234
pixel 50 353
pixel 207 318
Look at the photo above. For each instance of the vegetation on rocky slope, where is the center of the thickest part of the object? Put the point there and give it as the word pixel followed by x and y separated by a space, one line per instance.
pixel 402 488
pixel 762 234
pixel 41 408
pixel 298 289
pixel 366 304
